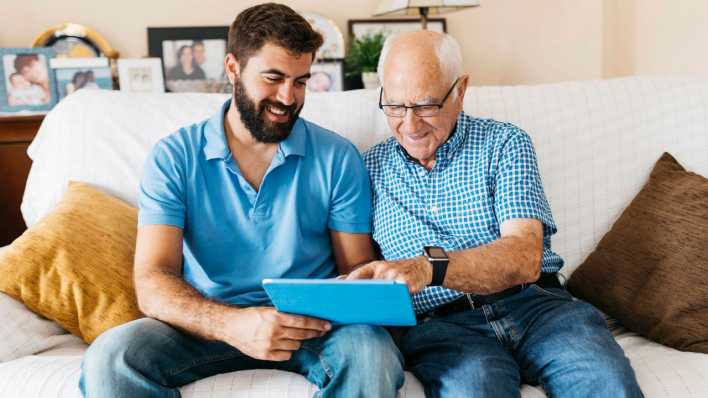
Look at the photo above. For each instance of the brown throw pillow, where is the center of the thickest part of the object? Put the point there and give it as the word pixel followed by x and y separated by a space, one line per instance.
pixel 650 271
pixel 75 266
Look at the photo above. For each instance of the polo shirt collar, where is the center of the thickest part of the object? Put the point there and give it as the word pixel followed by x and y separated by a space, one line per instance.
pixel 295 143
pixel 216 146
pixel 215 134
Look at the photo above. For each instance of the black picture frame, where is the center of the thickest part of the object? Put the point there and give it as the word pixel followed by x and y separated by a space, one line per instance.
pixel 157 35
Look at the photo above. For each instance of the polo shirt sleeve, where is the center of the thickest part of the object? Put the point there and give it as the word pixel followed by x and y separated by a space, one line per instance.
pixel 518 189
pixel 162 200
pixel 350 208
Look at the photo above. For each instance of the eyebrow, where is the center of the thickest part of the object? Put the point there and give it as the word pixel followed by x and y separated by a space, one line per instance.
pixel 282 74
pixel 427 100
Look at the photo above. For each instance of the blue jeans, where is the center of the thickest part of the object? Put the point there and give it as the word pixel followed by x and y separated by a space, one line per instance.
pixel 148 358
pixel 538 336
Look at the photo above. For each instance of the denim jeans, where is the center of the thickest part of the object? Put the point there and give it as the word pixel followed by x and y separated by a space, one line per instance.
pixel 148 358
pixel 538 336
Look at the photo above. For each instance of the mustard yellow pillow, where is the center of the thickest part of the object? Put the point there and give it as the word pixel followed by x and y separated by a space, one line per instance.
pixel 75 266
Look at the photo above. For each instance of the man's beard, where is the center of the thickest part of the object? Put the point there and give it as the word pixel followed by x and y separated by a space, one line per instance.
pixel 254 118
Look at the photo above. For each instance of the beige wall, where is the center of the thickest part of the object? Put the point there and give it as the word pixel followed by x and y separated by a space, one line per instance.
pixel 656 37
pixel 503 41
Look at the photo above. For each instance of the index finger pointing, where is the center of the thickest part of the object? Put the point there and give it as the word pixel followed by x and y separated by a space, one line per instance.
pixel 365 272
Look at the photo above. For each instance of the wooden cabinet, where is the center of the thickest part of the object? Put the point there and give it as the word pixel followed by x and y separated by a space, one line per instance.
pixel 16 133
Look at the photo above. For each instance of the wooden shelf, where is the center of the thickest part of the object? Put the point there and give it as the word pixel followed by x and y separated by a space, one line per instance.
pixel 16 133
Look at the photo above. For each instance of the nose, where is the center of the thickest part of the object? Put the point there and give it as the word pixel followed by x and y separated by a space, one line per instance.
pixel 410 122
pixel 286 93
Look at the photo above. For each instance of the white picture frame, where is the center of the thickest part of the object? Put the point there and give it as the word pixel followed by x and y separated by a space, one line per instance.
pixel 326 76
pixel 73 74
pixel 141 75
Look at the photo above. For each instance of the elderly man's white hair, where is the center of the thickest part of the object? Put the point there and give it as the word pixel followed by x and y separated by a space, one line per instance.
pixel 448 51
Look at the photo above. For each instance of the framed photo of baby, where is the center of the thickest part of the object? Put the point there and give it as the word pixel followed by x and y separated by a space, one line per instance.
pixel 26 82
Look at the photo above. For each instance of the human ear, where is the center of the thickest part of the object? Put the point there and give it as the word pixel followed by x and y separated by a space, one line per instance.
pixel 231 67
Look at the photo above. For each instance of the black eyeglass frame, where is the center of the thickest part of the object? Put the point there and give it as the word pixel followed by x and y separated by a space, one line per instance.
pixel 415 108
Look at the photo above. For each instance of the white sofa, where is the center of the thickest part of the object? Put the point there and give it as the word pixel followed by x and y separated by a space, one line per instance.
pixel 596 142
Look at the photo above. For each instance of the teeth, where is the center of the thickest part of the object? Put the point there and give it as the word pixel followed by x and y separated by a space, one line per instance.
pixel 276 111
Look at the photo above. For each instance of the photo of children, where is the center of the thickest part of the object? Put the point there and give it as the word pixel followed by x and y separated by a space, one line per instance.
pixel 141 75
pixel 26 79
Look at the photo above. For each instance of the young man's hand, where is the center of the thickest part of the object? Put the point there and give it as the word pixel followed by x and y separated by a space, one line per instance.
pixel 264 333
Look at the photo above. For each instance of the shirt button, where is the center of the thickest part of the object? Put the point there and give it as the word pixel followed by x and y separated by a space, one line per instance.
pixel 433 208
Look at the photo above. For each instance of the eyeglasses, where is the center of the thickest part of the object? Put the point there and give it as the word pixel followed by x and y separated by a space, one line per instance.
pixel 426 110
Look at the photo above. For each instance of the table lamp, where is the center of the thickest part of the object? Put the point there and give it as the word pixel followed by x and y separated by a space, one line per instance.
pixel 422 7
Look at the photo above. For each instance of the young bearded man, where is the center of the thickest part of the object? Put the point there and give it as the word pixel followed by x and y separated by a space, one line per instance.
pixel 253 192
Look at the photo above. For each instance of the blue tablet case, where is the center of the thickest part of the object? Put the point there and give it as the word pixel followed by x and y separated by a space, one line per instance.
pixel 372 302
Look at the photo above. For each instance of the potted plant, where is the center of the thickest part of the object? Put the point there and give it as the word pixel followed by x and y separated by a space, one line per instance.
pixel 363 58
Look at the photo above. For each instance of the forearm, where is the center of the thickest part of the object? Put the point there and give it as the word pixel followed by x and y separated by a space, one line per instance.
pixel 169 298
pixel 491 268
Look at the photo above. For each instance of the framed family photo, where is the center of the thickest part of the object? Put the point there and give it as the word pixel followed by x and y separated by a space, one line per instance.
pixel 141 75
pixel 326 75
pixel 73 74
pixel 362 27
pixel 192 57
pixel 26 81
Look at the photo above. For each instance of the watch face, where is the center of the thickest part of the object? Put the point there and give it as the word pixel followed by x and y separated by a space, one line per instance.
pixel 436 252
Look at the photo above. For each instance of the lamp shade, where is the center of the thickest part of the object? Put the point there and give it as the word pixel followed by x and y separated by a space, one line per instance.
pixel 412 7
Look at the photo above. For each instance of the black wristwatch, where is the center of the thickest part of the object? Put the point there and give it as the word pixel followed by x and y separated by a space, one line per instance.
pixel 438 259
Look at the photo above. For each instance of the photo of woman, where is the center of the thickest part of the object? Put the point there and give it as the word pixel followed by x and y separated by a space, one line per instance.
pixel 187 68
pixel 26 82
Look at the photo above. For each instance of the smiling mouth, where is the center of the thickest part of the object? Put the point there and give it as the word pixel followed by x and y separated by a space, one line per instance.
pixel 277 111
pixel 416 137
pixel 277 114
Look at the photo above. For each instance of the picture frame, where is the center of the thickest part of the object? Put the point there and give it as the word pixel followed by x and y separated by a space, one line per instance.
pixel 141 75
pixel 333 44
pixel 326 75
pixel 360 27
pixel 32 88
pixel 192 57
pixel 73 74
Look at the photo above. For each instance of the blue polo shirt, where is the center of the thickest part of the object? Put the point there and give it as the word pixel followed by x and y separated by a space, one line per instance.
pixel 234 236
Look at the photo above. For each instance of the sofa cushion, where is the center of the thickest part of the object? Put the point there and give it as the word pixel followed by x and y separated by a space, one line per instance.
pixel 75 265
pixel 22 332
pixel 650 271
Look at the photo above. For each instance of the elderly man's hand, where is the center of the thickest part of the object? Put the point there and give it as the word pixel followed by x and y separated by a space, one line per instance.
pixel 416 272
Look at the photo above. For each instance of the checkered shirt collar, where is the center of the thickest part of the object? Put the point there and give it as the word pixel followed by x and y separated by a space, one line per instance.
pixel 447 150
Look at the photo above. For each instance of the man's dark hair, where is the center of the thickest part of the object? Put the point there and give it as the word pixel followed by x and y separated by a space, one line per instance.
pixel 271 23
pixel 24 60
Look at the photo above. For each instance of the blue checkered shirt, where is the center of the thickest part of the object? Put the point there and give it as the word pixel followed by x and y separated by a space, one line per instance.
pixel 486 173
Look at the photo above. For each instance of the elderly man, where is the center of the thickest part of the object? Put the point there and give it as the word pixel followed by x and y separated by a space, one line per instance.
pixel 461 216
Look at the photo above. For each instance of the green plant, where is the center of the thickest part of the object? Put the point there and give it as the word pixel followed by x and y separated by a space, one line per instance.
pixel 364 52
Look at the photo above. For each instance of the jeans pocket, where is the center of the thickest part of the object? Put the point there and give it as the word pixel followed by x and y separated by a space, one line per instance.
pixel 553 292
